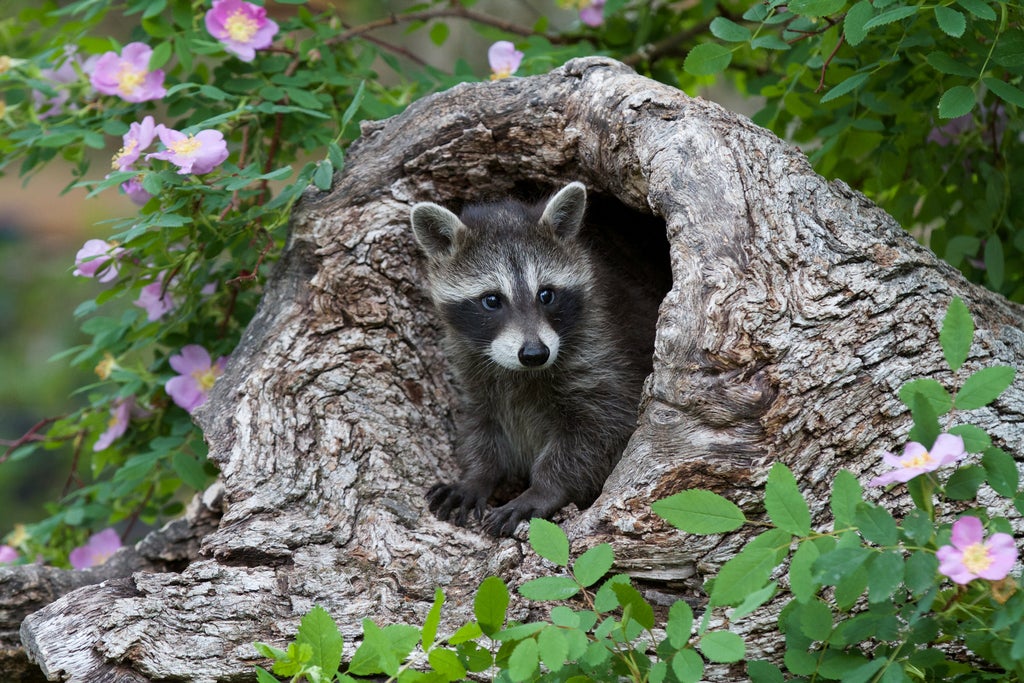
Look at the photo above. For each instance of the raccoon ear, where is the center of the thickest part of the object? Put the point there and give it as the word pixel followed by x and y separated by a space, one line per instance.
pixel 435 228
pixel 564 212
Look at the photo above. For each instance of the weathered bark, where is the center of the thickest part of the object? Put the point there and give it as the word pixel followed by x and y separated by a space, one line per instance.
pixel 797 310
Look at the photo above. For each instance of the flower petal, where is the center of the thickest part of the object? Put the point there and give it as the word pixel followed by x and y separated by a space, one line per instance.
pixel 967 531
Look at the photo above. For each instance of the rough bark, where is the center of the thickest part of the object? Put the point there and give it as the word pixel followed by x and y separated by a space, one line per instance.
pixel 797 310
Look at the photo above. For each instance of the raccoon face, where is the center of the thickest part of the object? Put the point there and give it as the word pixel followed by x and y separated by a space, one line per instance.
pixel 509 279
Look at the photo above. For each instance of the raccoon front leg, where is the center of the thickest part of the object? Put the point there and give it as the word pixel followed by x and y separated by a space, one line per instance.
pixel 483 452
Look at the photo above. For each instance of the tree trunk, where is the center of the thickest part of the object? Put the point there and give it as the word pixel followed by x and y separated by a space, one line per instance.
pixel 797 309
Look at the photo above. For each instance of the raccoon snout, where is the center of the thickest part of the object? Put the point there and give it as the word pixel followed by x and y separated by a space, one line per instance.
pixel 534 354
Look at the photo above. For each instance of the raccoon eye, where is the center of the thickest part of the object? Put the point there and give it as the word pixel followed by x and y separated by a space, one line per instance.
pixel 491 302
pixel 546 296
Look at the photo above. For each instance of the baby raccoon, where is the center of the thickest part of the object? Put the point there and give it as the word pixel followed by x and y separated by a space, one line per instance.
pixel 550 346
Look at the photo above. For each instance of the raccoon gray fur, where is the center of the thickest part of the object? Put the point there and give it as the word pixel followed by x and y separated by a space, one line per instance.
pixel 549 348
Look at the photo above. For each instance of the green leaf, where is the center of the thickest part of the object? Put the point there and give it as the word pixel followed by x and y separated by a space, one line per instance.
pixel 264 676
pixel 605 599
pixel 680 624
pixel 729 31
pixel 920 569
pixel 161 53
pixel 956 102
pixel 926 422
pixel 846 493
pixel 942 62
pixel 753 601
pixel 433 619
pixel 439 33
pixel 785 504
pixel 549 588
pixel 801 583
pixel 845 86
pixel 979 9
pixel 465 633
pixel 975 439
pixel 814 618
pixel 687 666
pixel 190 470
pixel 854 24
pixel 323 175
pixel 640 610
pixel 951 21
pixel 707 59
pixel 749 570
pixel 447 664
pixel 832 566
pixel 876 524
pixel 930 390
pixel 964 483
pixel 491 604
pixel 816 8
pixel 553 648
pixel 761 671
pixel 592 565
pixel 375 654
pixel 890 16
pixel 353 107
pixel 549 541
pixel 722 646
pixel 995 262
pixel 984 386
pixel 318 630
pixel 957 333
pixel 1001 471
pixel 524 660
pixel 697 511
pixel 1006 92
pixel 885 574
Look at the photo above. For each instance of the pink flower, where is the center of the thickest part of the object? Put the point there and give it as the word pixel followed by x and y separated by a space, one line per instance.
pixel 242 27
pixel 917 459
pixel 593 14
pixel 504 59
pixel 96 551
pixel 196 376
pixel 96 256
pixel 8 554
pixel 155 300
pixel 199 153
pixel 137 139
pixel 128 76
pixel 972 557
pixel 120 415
pixel 64 74
pixel 135 191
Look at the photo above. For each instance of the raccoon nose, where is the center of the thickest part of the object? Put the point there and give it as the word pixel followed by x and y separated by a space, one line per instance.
pixel 533 354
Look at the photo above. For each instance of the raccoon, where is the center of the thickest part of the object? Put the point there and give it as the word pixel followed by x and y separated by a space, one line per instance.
pixel 550 346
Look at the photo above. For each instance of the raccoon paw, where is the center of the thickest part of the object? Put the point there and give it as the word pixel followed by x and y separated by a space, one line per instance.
pixel 502 521
pixel 446 499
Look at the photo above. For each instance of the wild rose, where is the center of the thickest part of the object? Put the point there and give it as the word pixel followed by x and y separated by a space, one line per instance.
pixel 128 76
pixel 117 425
pixel 66 73
pixel 155 299
pixel 504 59
pixel 135 141
pixel 593 13
pixel 8 555
pixel 917 459
pixel 135 191
pixel 96 551
pixel 96 256
pixel 196 376
pixel 972 557
pixel 198 154
pixel 241 27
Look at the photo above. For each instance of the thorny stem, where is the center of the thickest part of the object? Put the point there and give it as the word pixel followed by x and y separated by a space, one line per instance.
pixel 31 435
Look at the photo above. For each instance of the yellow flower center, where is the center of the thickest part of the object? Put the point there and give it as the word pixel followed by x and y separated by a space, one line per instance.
pixel 501 73
pixel 105 366
pixel 977 558
pixel 129 78
pixel 918 461
pixel 123 152
pixel 207 377
pixel 187 146
pixel 5 64
pixel 241 28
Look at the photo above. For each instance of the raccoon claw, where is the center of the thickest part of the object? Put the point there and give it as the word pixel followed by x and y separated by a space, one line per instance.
pixel 504 520
pixel 452 502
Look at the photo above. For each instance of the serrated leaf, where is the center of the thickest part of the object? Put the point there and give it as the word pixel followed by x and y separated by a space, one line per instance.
pixel 801 584
pixel 951 21
pixel 749 570
pixel 846 493
pixel 926 421
pixel 491 604
pixel 439 33
pixel 957 334
pixel 832 566
pixel 323 175
pixel 549 541
pixel 815 8
pixel 885 574
pixel 553 648
pixel 353 107
pixel 964 483
pixel 605 599
pixel 769 42
pixel 857 17
pixel 814 619
pixel 943 63
pixel 549 588
pixel 707 59
pixel 1006 92
pixel 640 610
pixel 375 654
pixel 729 31
pixel 975 439
pixel 319 631
pixel 722 646
pixel 761 671
pixel 845 86
pixel 753 601
pixel 697 511
pixel 956 102
pixel 785 504
pixel 680 624
pixel 930 390
pixel 465 633
pixel 979 9
pixel 984 386
pixel 524 660
pixel 433 619
pixel 890 16
pixel 1001 472
pixel 876 524
pixel 592 565
pixel 920 571
pixel 446 663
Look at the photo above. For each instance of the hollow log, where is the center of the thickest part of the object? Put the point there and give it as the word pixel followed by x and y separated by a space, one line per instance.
pixel 797 309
